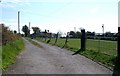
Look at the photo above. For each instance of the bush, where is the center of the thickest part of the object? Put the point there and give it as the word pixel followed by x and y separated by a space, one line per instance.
pixel 10 46
pixel 7 35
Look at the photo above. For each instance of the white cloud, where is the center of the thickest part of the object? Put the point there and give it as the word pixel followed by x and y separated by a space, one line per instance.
pixel 14 3
pixel 94 10
pixel 1 22
pixel 5 5
pixel 61 1
pixel 81 1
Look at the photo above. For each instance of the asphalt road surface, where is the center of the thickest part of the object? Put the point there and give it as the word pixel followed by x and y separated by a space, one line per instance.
pixel 53 60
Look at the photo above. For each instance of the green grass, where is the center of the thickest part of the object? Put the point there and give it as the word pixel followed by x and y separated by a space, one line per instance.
pixel 103 46
pixel 100 57
pixel 10 51
pixel 100 50
pixel 0 56
pixel 107 47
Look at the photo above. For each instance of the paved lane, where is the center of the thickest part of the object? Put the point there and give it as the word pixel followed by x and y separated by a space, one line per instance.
pixel 53 60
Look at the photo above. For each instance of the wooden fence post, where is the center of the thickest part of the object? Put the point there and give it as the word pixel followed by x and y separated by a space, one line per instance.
pixel 66 40
pixel 83 40
pixel 118 45
pixel 116 71
pixel 56 38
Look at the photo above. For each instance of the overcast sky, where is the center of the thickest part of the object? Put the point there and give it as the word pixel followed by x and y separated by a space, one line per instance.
pixel 61 15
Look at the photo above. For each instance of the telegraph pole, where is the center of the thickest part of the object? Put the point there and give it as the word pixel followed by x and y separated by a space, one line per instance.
pixel 29 27
pixel 19 22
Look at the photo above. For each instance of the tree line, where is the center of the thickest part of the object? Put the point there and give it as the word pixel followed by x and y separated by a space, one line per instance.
pixel 72 34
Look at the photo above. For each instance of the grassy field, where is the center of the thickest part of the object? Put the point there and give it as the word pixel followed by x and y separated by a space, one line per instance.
pixel 100 50
pixel 106 47
pixel 10 51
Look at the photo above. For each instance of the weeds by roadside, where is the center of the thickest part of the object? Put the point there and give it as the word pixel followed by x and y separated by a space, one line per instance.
pixel 10 51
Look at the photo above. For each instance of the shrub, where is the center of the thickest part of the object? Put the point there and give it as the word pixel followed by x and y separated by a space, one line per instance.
pixel 7 35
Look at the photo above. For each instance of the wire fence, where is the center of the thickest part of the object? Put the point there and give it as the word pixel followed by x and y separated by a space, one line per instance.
pixel 99 49
pixel 104 46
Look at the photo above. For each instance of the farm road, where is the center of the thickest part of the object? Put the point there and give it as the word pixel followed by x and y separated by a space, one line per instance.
pixel 53 60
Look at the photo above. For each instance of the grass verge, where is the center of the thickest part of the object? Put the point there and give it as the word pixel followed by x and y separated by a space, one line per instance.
pixel 0 58
pixel 100 57
pixel 10 51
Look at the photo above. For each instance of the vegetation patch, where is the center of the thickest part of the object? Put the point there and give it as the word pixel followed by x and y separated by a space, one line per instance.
pixel 10 51
pixel 11 43
pixel 100 57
